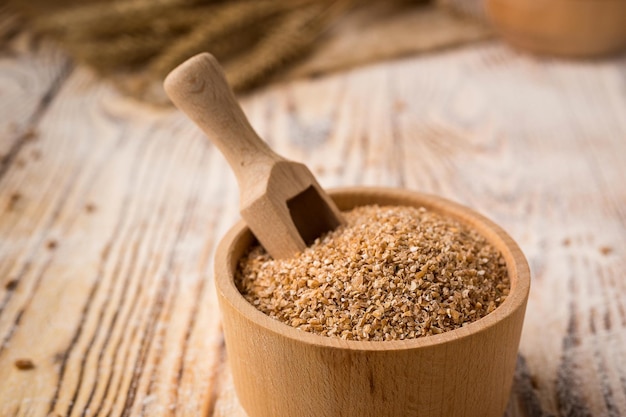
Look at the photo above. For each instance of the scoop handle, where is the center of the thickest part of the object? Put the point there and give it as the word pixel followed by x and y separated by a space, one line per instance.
pixel 199 88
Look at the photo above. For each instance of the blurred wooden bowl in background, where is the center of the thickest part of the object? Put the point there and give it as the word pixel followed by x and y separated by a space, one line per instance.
pixel 569 28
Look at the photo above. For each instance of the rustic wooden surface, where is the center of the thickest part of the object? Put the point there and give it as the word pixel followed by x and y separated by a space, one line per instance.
pixel 111 211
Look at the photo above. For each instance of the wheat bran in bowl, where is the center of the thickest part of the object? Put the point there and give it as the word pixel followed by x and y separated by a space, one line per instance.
pixel 281 371
pixel 390 273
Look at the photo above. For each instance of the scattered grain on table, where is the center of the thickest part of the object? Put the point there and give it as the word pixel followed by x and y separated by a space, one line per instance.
pixel 606 250
pixel 14 199
pixel 399 106
pixel 11 284
pixel 392 272
pixel 24 364
pixel 30 134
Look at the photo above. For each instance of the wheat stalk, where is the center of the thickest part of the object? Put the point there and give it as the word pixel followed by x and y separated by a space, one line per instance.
pixel 123 52
pixel 228 20
pixel 105 17
pixel 252 38
pixel 291 38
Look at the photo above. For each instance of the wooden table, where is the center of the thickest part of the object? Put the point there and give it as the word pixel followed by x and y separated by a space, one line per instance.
pixel 111 211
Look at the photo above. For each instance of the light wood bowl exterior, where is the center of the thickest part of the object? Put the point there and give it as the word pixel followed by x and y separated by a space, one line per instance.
pixel 279 371
pixel 570 28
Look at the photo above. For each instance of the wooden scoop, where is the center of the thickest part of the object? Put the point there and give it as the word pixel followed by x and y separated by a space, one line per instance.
pixel 281 201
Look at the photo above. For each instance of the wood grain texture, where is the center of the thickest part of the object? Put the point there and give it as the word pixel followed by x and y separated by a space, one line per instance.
pixel 30 76
pixel 106 255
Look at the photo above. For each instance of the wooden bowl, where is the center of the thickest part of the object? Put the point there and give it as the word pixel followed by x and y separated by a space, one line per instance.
pixel 570 28
pixel 279 371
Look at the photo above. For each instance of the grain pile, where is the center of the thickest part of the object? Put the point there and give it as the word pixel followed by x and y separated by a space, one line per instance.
pixel 390 273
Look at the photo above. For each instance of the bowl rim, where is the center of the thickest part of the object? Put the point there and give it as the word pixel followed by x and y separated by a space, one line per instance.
pixel 517 267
